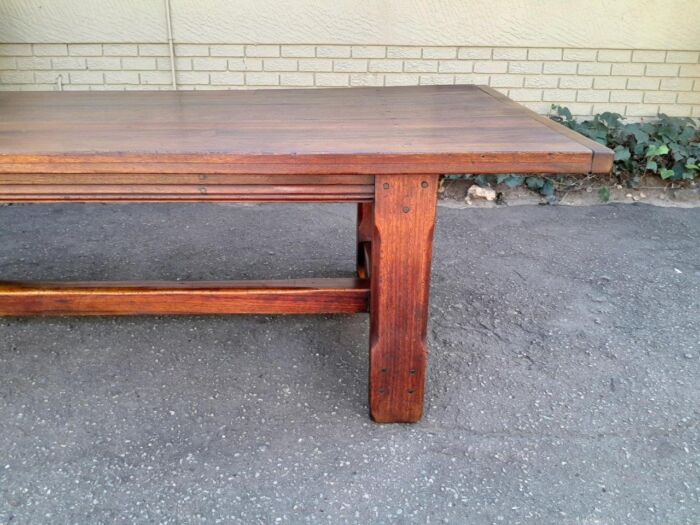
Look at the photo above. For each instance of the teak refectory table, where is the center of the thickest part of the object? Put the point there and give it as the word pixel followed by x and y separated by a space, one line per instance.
pixel 382 148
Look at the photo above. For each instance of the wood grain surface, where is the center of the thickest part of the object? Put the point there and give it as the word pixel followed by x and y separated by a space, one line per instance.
pixel 296 296
pixel 383 148
pixel 401 254
pixel 365 227
pixel 425 129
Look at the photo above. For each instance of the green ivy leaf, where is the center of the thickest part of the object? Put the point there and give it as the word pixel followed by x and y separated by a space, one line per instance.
pixel 678 170
pixel 655 151
pixel 611 120
pixel 687 134
pixel 639 134
pixel 652 166
pixel 564 112
pixel 547 189
pixel 622 153
pixel 604 194
pixel 513 181
pixel 482 180
pixel 666 174
pixel 534 183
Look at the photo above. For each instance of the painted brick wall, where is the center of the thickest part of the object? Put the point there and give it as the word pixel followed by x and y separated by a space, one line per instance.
pixel 636 83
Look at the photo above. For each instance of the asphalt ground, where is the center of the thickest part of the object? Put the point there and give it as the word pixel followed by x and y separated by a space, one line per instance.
pixel 563 384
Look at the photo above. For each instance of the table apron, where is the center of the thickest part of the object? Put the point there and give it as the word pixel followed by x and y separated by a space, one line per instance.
pixel 150 187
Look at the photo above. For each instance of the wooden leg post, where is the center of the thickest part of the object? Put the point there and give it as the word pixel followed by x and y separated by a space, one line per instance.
pixel 404 219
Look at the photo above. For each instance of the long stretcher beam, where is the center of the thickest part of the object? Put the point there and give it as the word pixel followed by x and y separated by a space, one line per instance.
pixel 296 296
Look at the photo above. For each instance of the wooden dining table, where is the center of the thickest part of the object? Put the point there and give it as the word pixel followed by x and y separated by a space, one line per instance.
pixel 383 149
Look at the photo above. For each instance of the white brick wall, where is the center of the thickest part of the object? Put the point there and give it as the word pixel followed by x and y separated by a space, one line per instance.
pixel 636 83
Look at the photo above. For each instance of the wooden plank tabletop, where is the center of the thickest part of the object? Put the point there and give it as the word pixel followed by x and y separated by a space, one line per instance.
pixel 426 129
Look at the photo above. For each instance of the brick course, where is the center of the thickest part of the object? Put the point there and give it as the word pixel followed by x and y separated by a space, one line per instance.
pixel 636 83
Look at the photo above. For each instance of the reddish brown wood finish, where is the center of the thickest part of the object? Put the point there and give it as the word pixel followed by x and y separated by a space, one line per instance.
pixel 426 129
pixel 156 188
pixel 381 147
pixel 173 193
pixel 602 156
pixel 404 218
pixel 301 296
pixel 185 179
pixel 365 227
pixel 367 261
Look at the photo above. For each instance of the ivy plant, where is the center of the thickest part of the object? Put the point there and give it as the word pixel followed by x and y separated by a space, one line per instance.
pixel 667 146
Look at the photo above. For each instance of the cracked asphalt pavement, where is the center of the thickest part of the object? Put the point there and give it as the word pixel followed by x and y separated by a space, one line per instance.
pixel 563 384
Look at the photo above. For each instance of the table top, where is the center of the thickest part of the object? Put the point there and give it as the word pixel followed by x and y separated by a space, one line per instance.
pixel 425 129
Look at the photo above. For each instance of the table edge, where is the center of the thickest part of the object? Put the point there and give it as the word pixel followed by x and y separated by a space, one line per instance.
pixel 601 156
pixel 574 162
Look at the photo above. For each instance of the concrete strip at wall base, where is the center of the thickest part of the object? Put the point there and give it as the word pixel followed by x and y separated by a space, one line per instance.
pixel 635 83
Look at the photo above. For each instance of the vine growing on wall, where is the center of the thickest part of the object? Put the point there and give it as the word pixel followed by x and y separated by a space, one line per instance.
pixel 668 147
pixel 665 148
